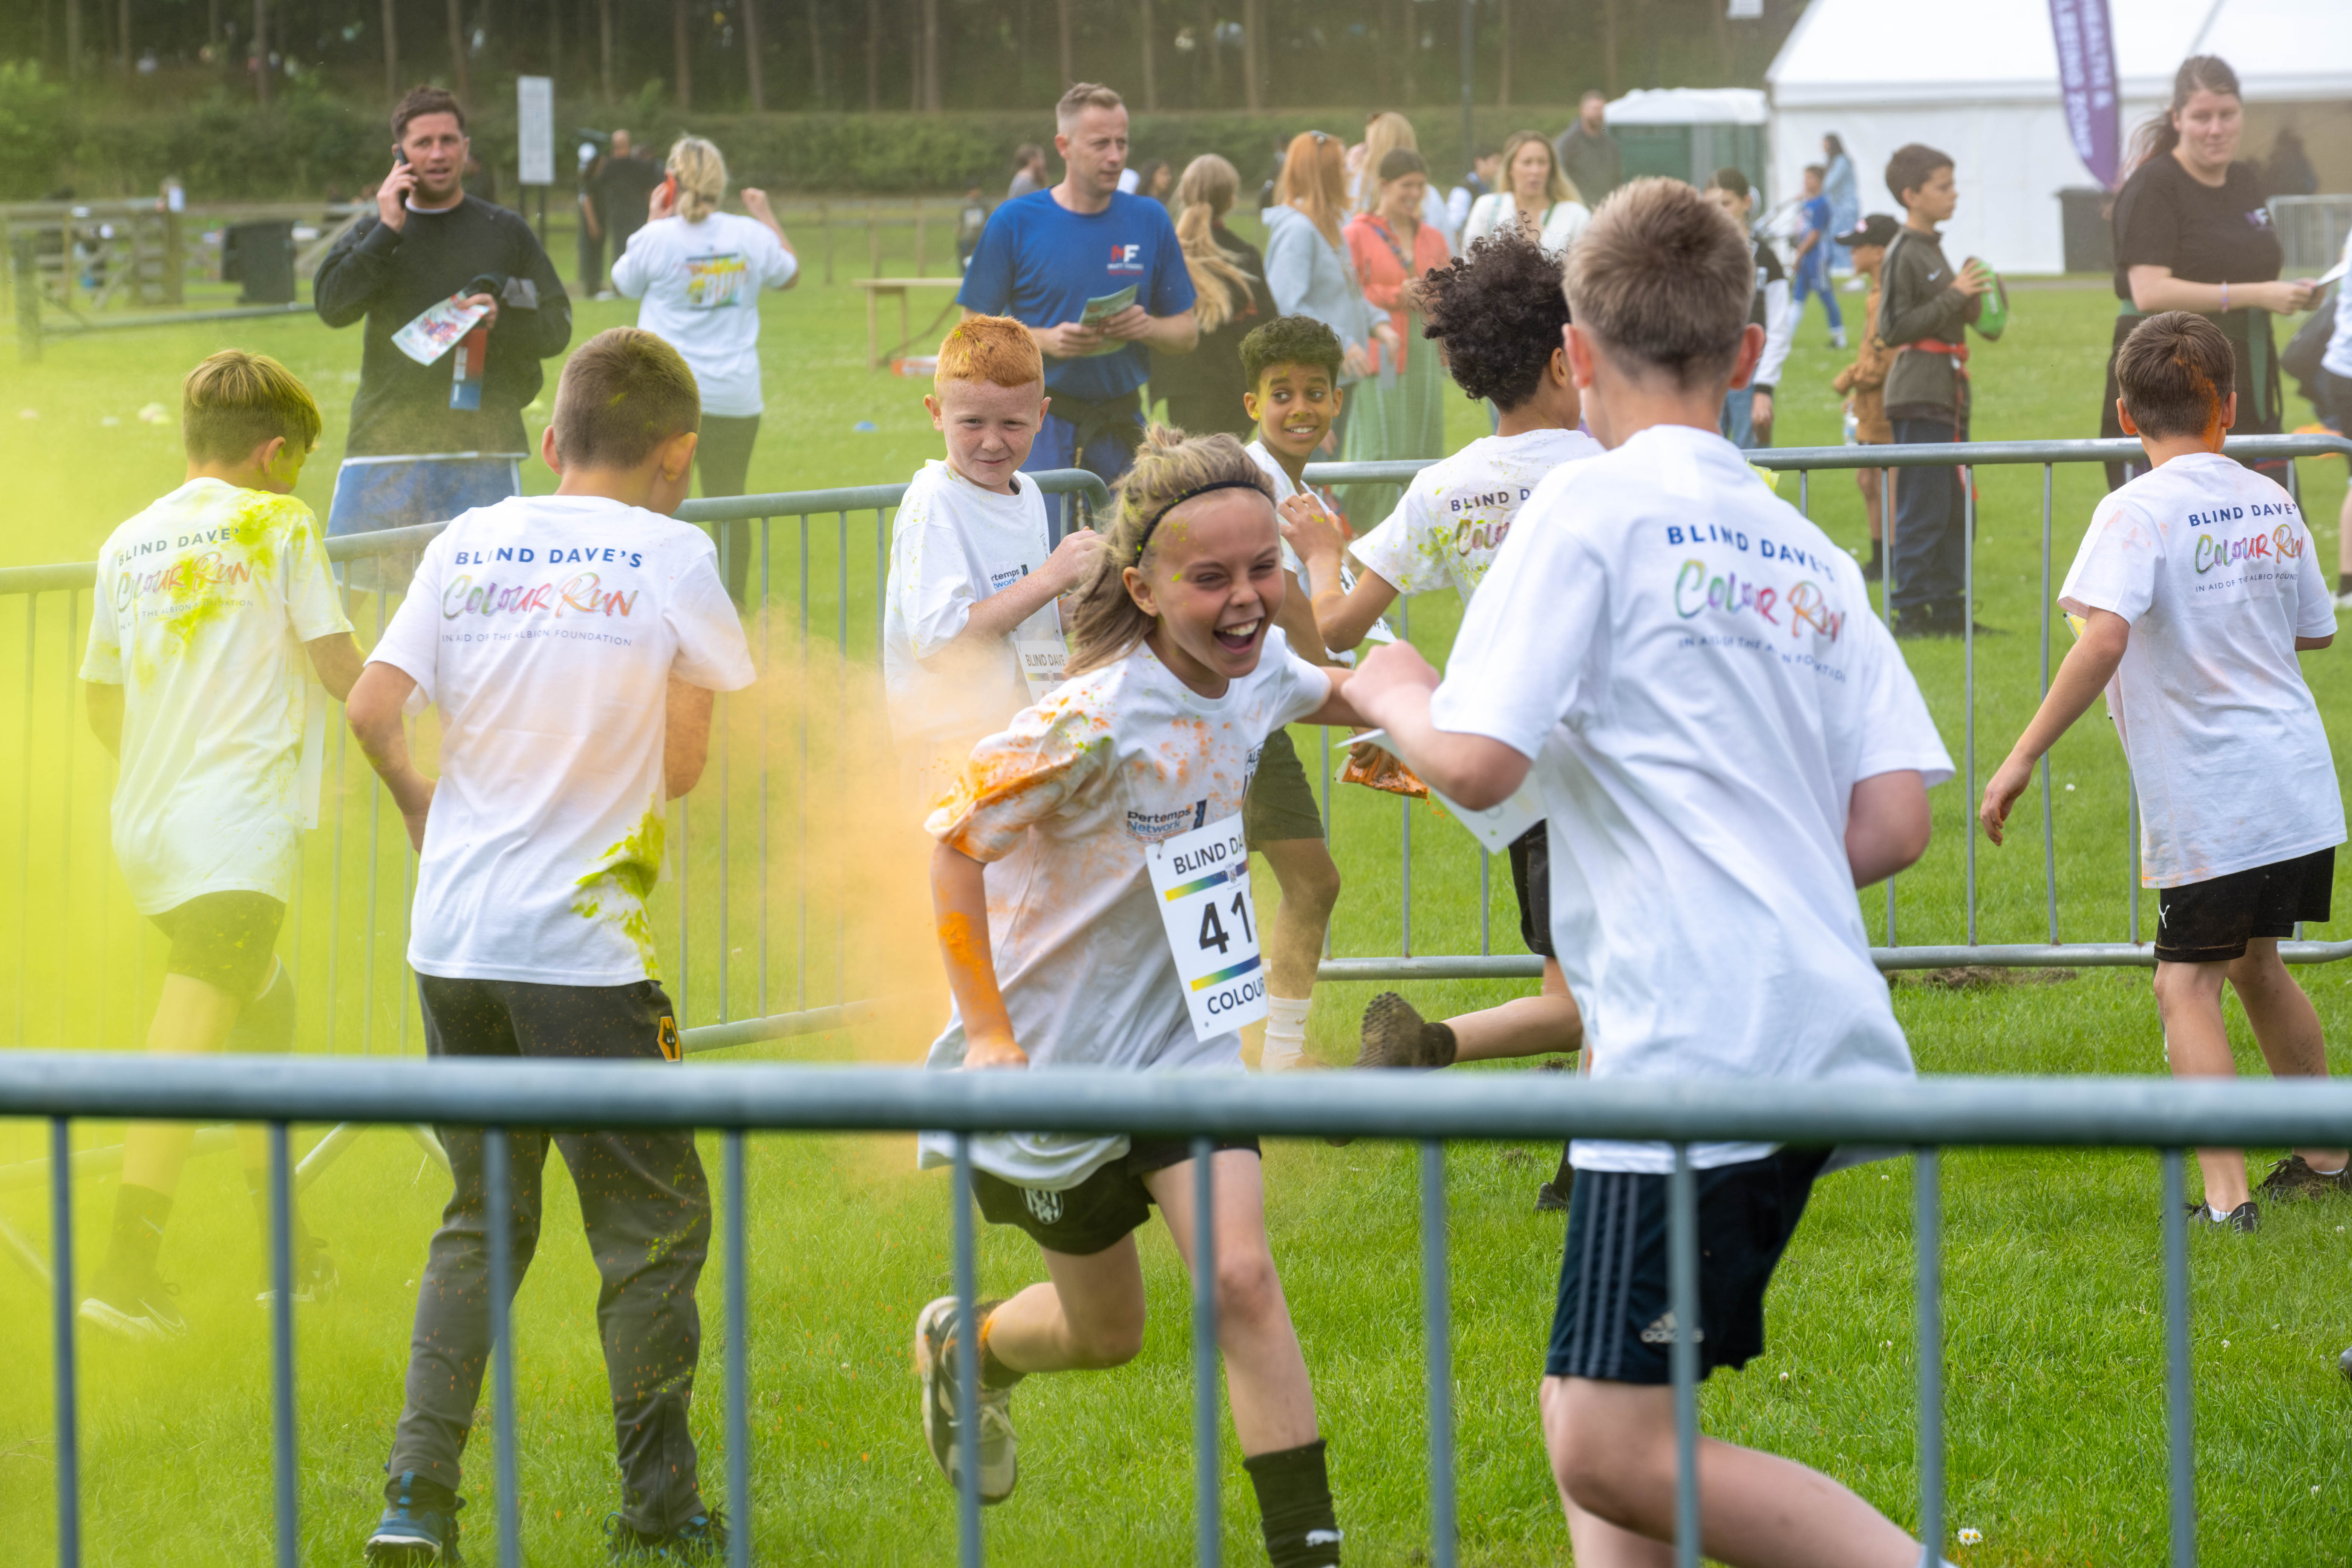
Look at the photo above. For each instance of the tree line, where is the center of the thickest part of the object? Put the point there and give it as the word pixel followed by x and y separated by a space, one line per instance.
pixel 913 54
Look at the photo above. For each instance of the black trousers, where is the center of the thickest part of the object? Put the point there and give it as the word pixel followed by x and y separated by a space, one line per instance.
pixel 643 1202
pixel 723 460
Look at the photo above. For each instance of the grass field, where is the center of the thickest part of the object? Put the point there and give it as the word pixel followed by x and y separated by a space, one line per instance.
pixel 2053 1310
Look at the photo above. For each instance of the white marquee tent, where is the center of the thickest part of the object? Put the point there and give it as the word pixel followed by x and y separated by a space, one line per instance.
pixel 1981 83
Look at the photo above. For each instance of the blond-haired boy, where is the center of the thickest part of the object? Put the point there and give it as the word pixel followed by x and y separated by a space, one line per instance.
pixel 970 634
pixel 207 605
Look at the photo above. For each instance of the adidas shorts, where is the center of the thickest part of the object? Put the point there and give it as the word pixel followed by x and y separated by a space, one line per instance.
pixel 2212 920
pixel 1614 1321
pixel 1086 1220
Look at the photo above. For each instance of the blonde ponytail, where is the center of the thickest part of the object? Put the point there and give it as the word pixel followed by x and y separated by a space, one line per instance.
pixel 1205 194
pixel 701 171
pixel 1106 622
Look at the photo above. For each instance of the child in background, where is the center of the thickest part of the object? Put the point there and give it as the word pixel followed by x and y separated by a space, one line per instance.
pixel 1712 760
pixel 1747 411
pixel 1050 924
pixel 2197 578
pixel 1813 257
pixel 1925 305
pixel 1292 364
pixel 208 606
pixel 572 643
pixel 970 631
pixel 1864 381
pixel 1499 312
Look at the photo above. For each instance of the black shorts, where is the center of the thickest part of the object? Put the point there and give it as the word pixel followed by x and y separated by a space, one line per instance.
pixel 2211 921
pixel 1083 1220
pixel 226 940
pixel 1614 1323
pixel 1531 880
pixel 2334 398
pixel 1280 802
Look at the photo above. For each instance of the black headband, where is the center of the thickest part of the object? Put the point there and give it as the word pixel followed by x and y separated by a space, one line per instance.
pixel 1257 485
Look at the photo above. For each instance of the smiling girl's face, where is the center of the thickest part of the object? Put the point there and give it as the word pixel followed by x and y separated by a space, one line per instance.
pixel 1212 579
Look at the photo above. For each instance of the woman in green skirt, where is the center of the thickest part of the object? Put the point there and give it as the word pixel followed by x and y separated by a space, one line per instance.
pixel 1398 410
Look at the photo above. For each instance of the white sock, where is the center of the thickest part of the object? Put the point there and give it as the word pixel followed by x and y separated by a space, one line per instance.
pixel 1286 1033
pixel 2219 1214
pixel 2317 1172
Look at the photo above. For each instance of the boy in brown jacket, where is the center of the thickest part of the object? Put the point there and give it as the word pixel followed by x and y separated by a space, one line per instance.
pixel 1864 381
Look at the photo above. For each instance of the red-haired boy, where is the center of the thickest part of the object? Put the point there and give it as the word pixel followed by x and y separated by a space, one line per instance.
pixel 970 631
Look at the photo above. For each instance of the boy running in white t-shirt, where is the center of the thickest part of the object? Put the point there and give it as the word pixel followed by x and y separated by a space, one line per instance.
pixel 2197 581
pixel 1499 311
pixel 1045 881
pixel 1726 741
pixel 1292 368
pixel 571 644
pixel 971 630
pixel 207 608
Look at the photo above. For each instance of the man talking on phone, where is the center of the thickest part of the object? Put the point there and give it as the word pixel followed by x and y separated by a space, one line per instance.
pixel 436 425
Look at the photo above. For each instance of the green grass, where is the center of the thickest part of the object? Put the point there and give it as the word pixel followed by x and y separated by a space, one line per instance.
pixel 2054 1351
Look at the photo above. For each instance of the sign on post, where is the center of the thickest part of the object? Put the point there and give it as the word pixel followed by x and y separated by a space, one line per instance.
pixel 535 128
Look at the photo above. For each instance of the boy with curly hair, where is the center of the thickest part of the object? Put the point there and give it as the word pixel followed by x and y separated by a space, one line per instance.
pixel 1498 311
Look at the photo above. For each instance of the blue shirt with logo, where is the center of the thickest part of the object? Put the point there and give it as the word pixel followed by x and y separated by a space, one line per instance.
pixel 1039 263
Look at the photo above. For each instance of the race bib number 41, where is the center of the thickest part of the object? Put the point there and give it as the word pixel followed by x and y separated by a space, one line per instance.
pixel 1202 881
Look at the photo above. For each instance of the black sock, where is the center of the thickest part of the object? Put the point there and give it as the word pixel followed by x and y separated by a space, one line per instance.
pixel 139 1213
pixel 1294 1501
pixel 993 1373
pixel 2344 581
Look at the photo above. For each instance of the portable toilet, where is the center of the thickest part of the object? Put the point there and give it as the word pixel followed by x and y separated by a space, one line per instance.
pixel 1689 132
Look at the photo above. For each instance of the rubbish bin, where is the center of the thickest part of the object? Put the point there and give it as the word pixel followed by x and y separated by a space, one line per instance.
pixel 261 257
pixel 2083 218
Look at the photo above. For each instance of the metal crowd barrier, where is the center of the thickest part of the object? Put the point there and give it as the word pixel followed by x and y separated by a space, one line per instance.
pixel 1804 461
pixel 813 580
pixel 1428 1110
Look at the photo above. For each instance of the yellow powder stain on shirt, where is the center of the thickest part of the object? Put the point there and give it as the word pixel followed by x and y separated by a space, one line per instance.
pixel 627 873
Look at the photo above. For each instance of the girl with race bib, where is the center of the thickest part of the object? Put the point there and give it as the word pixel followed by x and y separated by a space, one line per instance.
pixel 1091 880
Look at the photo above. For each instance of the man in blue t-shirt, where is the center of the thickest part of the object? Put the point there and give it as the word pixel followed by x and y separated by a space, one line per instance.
pixel 1046 257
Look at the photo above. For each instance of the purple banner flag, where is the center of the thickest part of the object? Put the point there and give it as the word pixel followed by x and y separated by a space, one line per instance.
pixel 2087 82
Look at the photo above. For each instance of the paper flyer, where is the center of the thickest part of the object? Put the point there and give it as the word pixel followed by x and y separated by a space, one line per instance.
pixel 431 335
pixel 1102 309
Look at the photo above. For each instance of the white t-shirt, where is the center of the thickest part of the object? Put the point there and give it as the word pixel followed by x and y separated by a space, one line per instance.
pixel 1060 807
pixel 1283 491
pixel 2338 355
pixel 952 544
pixel 1696 673
pixel 700 283
pixel 1456 513
pixel 203 603
pixel 2213 568
pixel 546 630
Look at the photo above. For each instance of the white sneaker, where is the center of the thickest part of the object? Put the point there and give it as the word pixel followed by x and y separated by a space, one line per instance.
pixel 2344 600
pixel 999 1465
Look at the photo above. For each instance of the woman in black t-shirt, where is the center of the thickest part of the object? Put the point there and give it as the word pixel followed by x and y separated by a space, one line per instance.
pixel 1204 388
pixel 2193 233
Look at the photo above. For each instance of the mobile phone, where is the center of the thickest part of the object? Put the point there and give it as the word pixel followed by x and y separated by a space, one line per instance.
pixel 670 191
pixel 400 155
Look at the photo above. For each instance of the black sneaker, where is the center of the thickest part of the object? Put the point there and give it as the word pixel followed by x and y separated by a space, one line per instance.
pixel 316 1279
pixel 2244 1220
pixel 135 1306
pixel 702 1539
pixel 2292 1180
pixel 1396 1035
pixel 419 1526
pixel 937 1345
pixel 1553 1196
